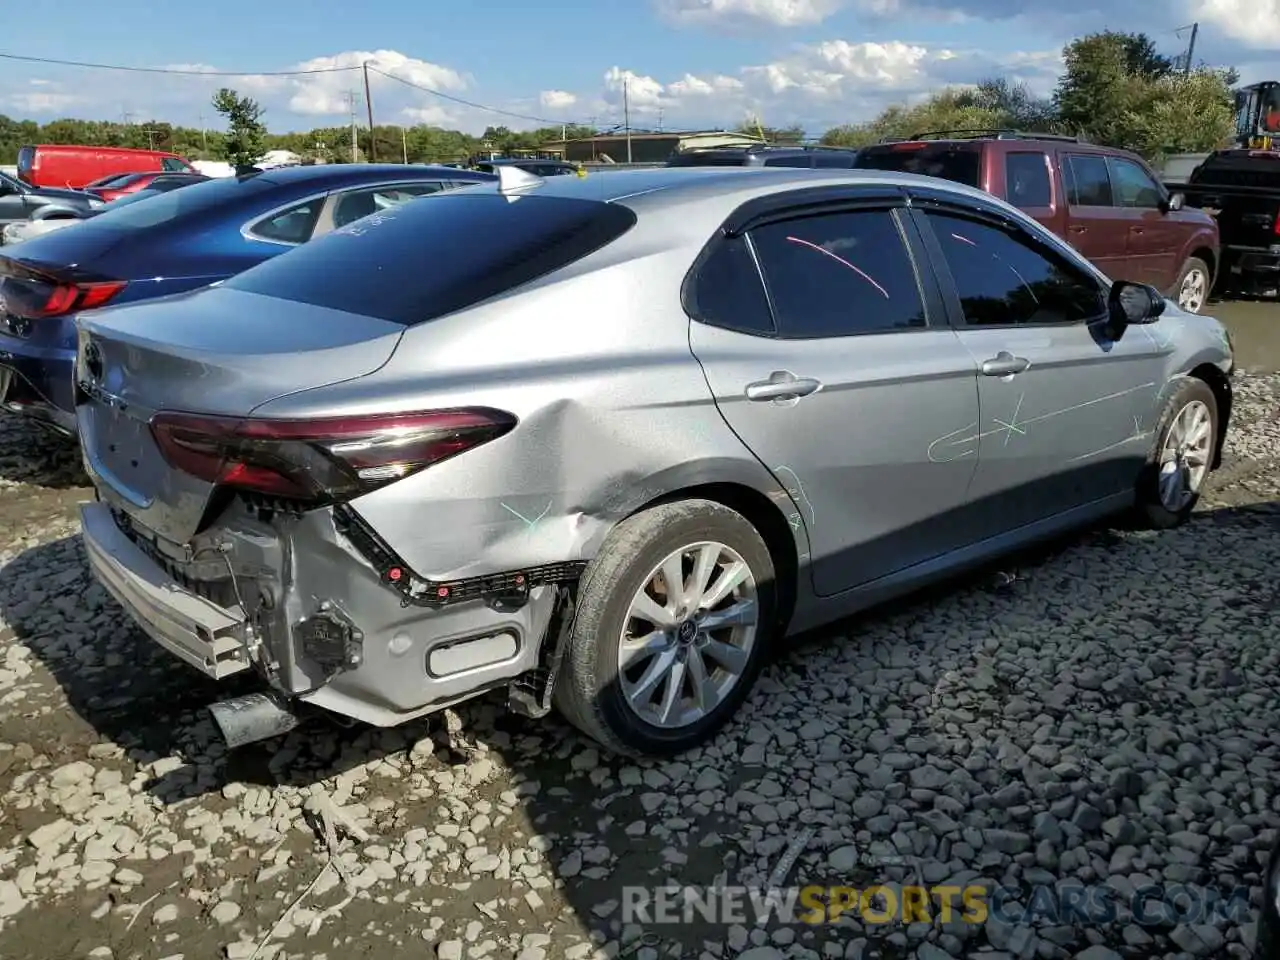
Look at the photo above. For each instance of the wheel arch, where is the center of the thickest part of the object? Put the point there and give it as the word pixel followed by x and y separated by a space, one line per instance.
pixel 1210 258
pixel 763 514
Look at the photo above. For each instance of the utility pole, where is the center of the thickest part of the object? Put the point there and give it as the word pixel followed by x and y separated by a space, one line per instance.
pixel 351 101
pixel 204 134
pixel 368 102
pixel 404 144
pixel 660 119
pixel 1191 48
pixel 626 113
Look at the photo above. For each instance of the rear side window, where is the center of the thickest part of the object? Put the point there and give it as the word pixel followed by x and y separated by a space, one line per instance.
pixel 960 164
pixel 839 274
pixel 418 261
pixel 1026 180
pixel 727 290
pixel 290 226
pixel 708 159
pixel 1090 185
pixel 842 159
pixel 799 160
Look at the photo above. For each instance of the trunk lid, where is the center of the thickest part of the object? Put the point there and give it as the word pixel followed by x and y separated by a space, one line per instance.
pixel 215 351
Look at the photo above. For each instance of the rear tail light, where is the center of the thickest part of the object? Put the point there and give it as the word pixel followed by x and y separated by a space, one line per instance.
pixel 321 461
pixel 1275 228
pixel 909 145
pixel 32 294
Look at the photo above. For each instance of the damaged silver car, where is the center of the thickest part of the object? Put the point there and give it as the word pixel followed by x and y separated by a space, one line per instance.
pixel 602 442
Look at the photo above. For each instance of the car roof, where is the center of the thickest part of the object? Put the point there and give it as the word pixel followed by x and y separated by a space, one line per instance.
pixel 339 174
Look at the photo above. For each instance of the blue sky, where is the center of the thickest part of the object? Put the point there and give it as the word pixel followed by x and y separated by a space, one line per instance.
pixel 686 63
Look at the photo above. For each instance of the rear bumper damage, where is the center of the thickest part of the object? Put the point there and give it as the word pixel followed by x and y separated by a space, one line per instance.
pixel 320 621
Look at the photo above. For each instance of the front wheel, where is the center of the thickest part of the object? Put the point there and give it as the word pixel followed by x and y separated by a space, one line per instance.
pixel 1192 288
pixel 1178 464
pixel 673 618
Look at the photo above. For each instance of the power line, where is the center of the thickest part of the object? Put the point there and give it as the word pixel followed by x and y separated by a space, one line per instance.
pixel 469 103
pixel 176 70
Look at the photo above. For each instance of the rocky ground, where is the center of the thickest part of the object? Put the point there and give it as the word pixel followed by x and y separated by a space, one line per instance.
pixel 1105 712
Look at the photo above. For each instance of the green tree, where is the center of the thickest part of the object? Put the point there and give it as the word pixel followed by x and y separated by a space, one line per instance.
pixel 246 137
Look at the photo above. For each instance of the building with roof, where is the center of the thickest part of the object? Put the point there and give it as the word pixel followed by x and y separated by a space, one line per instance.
pixel 647 147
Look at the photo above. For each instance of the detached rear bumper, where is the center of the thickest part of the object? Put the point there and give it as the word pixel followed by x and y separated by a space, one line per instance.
pixel 209 637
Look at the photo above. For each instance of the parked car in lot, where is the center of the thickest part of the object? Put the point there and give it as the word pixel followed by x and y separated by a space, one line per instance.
pixel 764 155
pixel 171 242
pixel 71 166
pixel 20 201
pixel 1106 203
pixel 133 182
pixel 653 423
pixel 541 168
pixel 48 219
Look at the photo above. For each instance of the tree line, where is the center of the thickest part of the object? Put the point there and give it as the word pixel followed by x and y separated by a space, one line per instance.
pixel 1117 89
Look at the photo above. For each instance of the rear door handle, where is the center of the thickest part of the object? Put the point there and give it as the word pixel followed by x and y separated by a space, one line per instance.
pixel 1076 229
pixel 1004 364
pixel 1137 230
pixel 782 385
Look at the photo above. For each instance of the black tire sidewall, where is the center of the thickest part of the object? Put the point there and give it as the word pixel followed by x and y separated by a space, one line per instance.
pixel 599 639
pixel 1155 512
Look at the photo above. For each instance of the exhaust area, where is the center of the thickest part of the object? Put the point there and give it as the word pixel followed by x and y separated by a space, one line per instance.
pixel 254 717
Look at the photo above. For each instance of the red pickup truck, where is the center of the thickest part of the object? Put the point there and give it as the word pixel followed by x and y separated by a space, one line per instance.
pixel 1104 202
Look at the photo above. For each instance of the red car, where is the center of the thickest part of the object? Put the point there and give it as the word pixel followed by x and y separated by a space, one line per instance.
pixel 131 183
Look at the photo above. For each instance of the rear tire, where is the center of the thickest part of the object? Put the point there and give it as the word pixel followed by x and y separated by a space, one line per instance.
pixel 1192 288
pixel 1179 462
pixel 720 640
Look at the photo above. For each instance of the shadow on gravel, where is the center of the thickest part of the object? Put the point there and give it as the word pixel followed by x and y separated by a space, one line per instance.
pixel 609 824
pixel 33 454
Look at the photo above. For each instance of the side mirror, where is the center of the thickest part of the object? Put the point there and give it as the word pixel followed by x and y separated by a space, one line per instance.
pixel 1173 203
pixel 1134 303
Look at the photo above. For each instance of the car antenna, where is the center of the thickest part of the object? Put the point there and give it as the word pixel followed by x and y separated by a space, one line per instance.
pixel 512 180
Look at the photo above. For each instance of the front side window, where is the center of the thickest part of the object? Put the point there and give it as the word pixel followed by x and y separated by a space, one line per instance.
pixel 290 226
pixel 1003 280
pixel 1133 188
pixel 1026 180
pixel 1090 183
pixel 839 274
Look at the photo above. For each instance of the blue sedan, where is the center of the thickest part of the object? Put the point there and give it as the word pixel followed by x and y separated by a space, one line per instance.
pixel 172 243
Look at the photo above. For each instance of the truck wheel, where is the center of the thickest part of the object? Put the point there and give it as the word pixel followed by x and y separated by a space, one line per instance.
pixel 1179 461
pixel 1191 292
pixel 673 618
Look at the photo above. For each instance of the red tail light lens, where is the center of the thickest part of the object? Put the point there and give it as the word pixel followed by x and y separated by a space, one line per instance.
pixel 32 294
pixel 321 461
pixel 1275 228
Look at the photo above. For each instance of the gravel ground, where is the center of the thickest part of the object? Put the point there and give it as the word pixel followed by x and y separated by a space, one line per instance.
pixel 1105 711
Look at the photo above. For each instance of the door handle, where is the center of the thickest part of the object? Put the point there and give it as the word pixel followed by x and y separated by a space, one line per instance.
pixel 1075 228
pixel 782 385
pixel 1004 364
pixel 1139 231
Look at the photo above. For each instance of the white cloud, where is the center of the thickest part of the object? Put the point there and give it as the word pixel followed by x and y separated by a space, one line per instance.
pixel 41 102
pixel 1254 23
pixel 778 13
pixel 557 99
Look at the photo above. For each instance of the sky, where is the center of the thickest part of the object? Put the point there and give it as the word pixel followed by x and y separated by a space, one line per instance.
pixel 683 64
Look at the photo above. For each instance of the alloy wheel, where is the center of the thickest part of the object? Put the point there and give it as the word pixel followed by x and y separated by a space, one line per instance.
pixel 1184 458
pixel 688 636
pixel 1192 293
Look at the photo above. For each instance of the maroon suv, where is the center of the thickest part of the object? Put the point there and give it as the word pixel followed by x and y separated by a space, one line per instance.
pixel 1104 202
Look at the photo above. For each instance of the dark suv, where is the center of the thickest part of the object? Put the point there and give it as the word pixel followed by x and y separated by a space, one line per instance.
pixel 766 156
pixel 1104 202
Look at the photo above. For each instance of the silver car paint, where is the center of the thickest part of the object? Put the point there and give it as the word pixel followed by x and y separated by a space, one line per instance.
pixel 615 415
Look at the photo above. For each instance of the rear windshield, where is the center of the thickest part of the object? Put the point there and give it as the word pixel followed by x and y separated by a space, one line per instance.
pixel 422 260
pixel 708 159
pixel 164 207
pixel 1237 171
pixel 946 161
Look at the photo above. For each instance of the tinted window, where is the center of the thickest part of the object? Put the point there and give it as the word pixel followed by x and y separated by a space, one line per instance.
pixel 839 274
pixel 418 261
pixel 735 158
pixel 26 156
pixel 1133 187
pixel 290 226
pixel 727 290
pixel 362 203
pixel 834 158
pixel 1026 179
pixel 800 160
pixel 167 207
pixel 960 164
pixel 1004 281
pixel 1090 185
pixel 173 165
